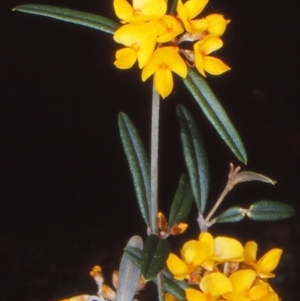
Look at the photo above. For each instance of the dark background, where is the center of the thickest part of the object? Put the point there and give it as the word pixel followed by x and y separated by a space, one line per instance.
pixel 66 196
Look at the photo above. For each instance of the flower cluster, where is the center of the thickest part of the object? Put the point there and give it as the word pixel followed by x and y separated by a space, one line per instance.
pixel 222 269
pixel 153 38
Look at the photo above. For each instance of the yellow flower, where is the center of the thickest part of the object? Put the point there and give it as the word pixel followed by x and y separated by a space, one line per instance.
pixel 244 290
pixel 188 11
pixel 141 10
pixel 140 39
pixel 193 254
pixel 212 287
pixel 207 63
pixel 221 249
pixel 171 28
pixel 216 24
pixel 266 264
pixel 162 62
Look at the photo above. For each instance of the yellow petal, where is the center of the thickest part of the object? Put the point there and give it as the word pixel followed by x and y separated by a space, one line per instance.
pixel 153 8
pixel 123 9
pixel 242 280
pixel 208 45
pixel 259 291
pixel 194 252
pixel 163 82
pixel 169 297
pixel 125 58
pixel 214 66
pixel 194 295
pixel 250 252
pixel 270 260
pixel 228 249
pixel 216 24
pixel 177 267
pixel 194 7
pixel 139 36
pixel 172 28
pixel 215 284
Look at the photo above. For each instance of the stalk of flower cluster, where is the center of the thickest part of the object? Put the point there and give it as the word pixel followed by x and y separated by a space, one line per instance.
pixel 154 179
pixel 154 161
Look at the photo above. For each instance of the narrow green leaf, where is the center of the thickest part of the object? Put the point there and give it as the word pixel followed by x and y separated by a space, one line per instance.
pixel 215 113
pixel 72 16
pixel 182 203
pixel 195 156
pixel 129 273
pixel 270 211
pixel 246 176
pixel 138 163
pixel 174 287
pixel 231 215
pixel 154 256
pixel 135 255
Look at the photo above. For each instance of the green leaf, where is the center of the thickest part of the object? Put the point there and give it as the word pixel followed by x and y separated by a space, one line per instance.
pixel 174 287
pixel 270 211
pixel 215 113
pixel 154 256
pixel 72 16
pixel 135 255
pixel 231 215
pixel 129 273
pixel 138 163
pixel 195 156
pixel 182 203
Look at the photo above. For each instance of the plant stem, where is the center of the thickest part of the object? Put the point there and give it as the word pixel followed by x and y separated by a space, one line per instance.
pixel 154 161
pixel 154 180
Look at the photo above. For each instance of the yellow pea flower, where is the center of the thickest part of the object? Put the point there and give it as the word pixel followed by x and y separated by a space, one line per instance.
pixel 212 287
pixel 203 61
pixel 266 264
pixel 140 39
pixel 140 10
pixel 193 254
pixel 188 11
pixel 244 290
pixel 216 24
pixel 171 28
pixel 242 281
pixel 221 249
pixel 162 62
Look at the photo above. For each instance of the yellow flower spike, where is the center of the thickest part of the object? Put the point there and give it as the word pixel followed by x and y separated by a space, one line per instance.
pixel 242 281
pixel 228 249
pixel 163 61
pixel 210 64
pixel 140 11
pixel 194 295
pixel 140 39
pixel 216 24
pixel 214 285
pixel 266 264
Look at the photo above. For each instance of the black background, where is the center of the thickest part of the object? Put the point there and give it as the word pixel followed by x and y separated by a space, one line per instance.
pixel 66 196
